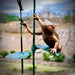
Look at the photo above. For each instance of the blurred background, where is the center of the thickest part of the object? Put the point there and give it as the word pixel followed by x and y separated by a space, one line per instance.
pixel 60 12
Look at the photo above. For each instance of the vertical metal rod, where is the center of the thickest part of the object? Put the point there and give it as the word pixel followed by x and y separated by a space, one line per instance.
pixel 34 3
pixel 33 63
pixel 20 6
pixel 21 41
pixel 33 22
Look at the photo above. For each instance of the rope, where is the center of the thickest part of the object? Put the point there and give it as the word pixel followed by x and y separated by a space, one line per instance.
pixel 20 7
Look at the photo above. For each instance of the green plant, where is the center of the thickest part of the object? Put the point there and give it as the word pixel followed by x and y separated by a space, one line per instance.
pixel 12 17
pixel 4 53
pixel 61 71
pixel 8 18
pixel 14 69
pixel 46 71
pixel 67 18
pixel 35 66
pixel 46 56
pixel 59 58
pixel 74 57
pixel 12 52
pixel 30 68
pixel 26 18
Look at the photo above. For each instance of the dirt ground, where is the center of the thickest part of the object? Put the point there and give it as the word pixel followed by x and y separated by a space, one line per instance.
pixel 8 68
pixel 10 41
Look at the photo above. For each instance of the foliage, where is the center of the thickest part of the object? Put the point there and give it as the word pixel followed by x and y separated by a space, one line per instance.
pixel 3 18
pixel 59 58
pixel 30 68
pixel 7 18
pixel 26 18
pixel 12 52
pixel 73 57
pixel 67 18
pixel 46 70
pixel 14 69
pixel 4 53
pixel 61 71
pixel 12 17
pixel 46 56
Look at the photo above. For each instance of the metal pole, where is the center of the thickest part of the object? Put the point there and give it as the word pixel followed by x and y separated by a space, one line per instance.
pixel 21 36
pixel 34 37
pixel 20 6
pixel 21 42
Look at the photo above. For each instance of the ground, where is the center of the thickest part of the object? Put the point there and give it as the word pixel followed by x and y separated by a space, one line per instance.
pixel 10 40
